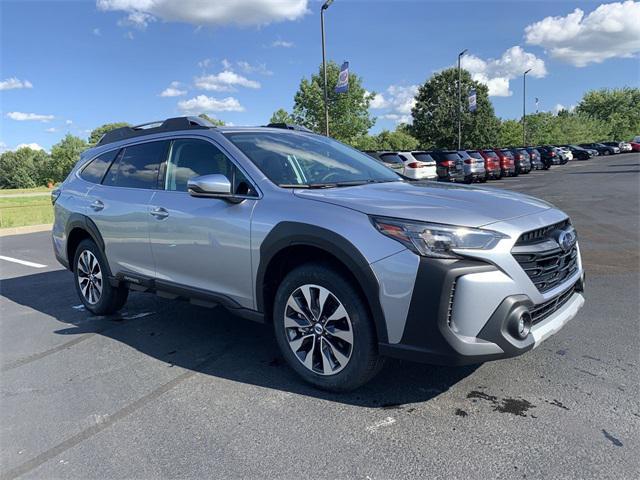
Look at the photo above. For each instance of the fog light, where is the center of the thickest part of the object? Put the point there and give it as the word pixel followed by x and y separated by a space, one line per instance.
pixel 520 324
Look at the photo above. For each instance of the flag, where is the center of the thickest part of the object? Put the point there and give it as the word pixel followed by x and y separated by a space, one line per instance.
pixel 343 79
pixel 472 100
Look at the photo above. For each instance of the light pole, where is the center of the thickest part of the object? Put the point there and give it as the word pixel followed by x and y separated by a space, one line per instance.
pixel 460 99
pixel 524 108
pixel 325 5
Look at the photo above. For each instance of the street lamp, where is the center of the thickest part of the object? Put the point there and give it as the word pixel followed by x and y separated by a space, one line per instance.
pixel 325 5
pixel 460 100
pixel 524 107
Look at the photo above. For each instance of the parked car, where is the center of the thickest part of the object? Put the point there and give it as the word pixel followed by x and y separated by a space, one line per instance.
pixel 601 148
pixel 635 146
pixel 491 164
pixel 579 153
pixel 426 165
pixel 473 167
pixel 548 156
pixel 348 261
pixel 449 165
pixel 522 160
pixel 390 159
pixel 622 146
pixel 534 157
pixel 564 154
pixel 507 163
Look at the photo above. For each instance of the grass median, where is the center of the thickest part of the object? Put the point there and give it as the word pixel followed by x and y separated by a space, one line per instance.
pixel 20 211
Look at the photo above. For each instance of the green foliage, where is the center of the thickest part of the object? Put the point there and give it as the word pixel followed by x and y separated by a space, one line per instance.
pixel 546 128
pixel 510 134
pixel 435 122
pixel 64 156
pixel 398 140
pixel 97 133
pixel 349 117
pixel 618 108
pixel 281 116
pixel 214 121
pixel 22 168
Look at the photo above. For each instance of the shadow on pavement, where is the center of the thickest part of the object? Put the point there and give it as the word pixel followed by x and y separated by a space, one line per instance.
pixel 215 342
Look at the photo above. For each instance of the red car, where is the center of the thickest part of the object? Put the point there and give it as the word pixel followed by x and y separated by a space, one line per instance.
pixel 491 164
pixel 507 163
pixel 635 147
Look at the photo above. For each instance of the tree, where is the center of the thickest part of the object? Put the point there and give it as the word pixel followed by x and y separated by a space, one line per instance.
pixel 435 123
pixel 349 116
pixel 510 133
pixel 214 121
pixel 397 141
pixel 64 156
pixel 97 133
pixel 618 108
pixel 21 168
pixel 281 116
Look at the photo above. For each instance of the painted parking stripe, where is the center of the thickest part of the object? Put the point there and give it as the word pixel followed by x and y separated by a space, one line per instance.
pixel 22 262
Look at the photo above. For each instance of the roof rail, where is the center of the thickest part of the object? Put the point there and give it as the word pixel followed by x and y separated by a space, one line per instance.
pixel 289 126
pixel 168 125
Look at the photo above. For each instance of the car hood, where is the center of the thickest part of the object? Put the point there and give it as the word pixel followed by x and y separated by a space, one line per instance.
pixel 461 205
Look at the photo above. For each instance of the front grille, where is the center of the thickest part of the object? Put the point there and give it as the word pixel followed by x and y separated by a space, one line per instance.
pixel 541 234
pixel 543 310
pixel 450 307
pixel 548 268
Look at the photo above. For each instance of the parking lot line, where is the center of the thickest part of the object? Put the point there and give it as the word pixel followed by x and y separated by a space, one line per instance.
pixel 22 262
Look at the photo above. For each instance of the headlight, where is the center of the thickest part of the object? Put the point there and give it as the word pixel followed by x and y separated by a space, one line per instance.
pixel 436 240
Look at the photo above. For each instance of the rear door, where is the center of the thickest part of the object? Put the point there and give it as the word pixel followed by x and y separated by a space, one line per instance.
pixel 120 207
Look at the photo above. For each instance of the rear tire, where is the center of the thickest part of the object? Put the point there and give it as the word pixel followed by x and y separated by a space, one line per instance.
pixel 324 329
pixel 92 281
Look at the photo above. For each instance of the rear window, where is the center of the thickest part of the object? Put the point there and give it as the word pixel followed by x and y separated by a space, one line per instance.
pixel 475 155
pixel 450 156
pixel 392 158
pixel 138 166
pixel 507 153
pixel 97 167
pixel 491 153
pixel 423 157
pixel 463 155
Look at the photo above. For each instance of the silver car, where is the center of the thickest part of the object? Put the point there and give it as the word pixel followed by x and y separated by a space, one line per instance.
pixel 348 261
pixel 473 165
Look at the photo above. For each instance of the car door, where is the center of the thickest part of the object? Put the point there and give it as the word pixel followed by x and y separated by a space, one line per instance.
pixel 119 207
pixel 202 243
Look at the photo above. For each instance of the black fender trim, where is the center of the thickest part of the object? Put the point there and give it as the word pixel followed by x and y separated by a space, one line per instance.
pixel 286 234
pixel 78 220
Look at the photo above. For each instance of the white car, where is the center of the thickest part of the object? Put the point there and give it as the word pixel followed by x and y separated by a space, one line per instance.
pixel 418 165
pixel 565 153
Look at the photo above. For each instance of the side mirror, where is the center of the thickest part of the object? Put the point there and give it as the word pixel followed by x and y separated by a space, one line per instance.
pixel 215 185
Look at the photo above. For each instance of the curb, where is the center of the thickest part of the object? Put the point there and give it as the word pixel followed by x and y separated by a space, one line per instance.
pixel 5 232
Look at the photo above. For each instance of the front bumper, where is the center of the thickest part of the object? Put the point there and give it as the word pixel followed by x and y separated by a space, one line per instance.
pixel 462 312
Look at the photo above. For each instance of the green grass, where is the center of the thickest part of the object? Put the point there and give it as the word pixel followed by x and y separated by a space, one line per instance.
pixel 22 211
pixel 13 191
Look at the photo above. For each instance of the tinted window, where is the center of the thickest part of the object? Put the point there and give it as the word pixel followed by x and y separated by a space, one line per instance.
pixel 192 158
pixel 391 158
pixel 451 156
pixel 463 155
pixel 97 167
pixel 423 157
pixel 507 153
pixel 475 155
pixel 138 166
pixel 491 154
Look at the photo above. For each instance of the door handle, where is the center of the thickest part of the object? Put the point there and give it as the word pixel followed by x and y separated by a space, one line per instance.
pixel 159 213
pixel 97 206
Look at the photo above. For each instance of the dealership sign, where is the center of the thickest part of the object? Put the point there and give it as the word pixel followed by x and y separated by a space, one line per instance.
pixel 472 100
pixel 343 79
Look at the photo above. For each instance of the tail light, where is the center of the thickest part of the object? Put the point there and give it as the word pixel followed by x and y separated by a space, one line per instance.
pixel 414 165
pixel 468 161
pixel 553 154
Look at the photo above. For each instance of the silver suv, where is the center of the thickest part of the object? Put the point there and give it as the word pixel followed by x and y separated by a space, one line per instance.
pixel 348 261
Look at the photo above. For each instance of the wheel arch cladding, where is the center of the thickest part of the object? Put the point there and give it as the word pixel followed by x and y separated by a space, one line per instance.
pixel 80 227
pixel 288 239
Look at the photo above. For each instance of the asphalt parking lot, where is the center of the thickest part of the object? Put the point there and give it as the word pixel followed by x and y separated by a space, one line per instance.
pixel 168 389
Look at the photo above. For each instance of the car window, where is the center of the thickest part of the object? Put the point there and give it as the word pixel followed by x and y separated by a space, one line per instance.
pixel 137 166
pixel 463 155
pixel 491 153
pixel 423 157
pixel 475 155
pixel 97 167
pixel 451 156
pixel 392 158
pixel 191 158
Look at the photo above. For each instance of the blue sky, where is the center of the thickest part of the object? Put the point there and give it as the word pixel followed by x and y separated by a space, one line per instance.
pixel 71 66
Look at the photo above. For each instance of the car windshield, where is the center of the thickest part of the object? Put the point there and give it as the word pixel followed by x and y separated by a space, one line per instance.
pixel 422 157
pixel 294 159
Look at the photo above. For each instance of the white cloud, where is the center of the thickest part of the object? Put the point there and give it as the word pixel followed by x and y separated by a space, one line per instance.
pixel 496 73
pixel 32 146
pixel 611 30
pixel 3 147
pixel 559 107
pixel 203 12
pixel 282 44
pixel 226 64
pixel 204 104
pixel 398 100
pixel 21 117
pixel 51 130
pixel 173 90
pixel 259 68
pixel 225 81
pixel 204 63
pixel 129 36
pixel 136 19
pixel 68 122
pixel 14 83
pixel 96 32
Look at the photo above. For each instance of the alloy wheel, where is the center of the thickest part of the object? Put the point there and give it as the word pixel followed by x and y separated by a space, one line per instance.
pixel 318 329
pixel 89 277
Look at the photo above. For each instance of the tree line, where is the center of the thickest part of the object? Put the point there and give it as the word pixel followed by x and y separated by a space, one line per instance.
pixel 606 114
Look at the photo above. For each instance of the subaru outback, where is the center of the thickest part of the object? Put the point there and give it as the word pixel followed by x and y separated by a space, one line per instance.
pixel 347 260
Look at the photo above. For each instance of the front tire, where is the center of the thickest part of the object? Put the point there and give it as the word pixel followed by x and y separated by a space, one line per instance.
pixel 92 282
pixel 324 329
